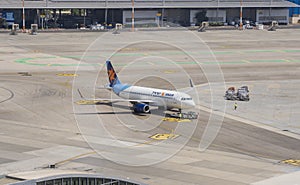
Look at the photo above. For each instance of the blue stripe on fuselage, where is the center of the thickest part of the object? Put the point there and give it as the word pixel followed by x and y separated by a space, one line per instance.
pixel 117 88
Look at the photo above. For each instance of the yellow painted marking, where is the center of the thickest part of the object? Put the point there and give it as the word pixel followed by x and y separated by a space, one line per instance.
pixel 129 49
pixel 67 84
pixel 176 120
pixel 164 136
pixel 246 61
pixel 226 46
pixel 169 71
pixel 184 120
pixel 145 143
pixel 286 60
pixel 291 162
pixel 90 102
pixel 274 86
pixel 66 74
pixel 75 157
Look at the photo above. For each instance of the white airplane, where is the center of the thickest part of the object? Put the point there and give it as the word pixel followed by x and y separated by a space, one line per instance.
pixel 143 97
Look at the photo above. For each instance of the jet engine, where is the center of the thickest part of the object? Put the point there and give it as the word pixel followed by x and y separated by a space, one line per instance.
pixel 141 108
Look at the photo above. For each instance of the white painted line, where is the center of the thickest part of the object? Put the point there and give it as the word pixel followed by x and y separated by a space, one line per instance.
pixel 287 179
pixel 253 123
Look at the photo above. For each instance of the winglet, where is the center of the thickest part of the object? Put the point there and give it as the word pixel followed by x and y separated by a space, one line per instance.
pixel 112 75
pixel 191 83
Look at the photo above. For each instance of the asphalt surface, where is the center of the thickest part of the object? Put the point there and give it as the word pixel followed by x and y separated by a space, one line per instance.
pixel 42 124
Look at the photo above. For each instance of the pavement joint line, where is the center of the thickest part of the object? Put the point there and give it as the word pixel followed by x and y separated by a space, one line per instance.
pixel 248 153
pixel 31 126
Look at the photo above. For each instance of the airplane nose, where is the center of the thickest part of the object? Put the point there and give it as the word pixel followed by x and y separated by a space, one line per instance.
pixel 192 104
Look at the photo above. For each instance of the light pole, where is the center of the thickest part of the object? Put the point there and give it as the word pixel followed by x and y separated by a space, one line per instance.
pixel 241 14
pixel 105 16
pixel 23 16
pixel 132 15
pixel 84 17
pixel 217 14
pixel 163 12
pixel 270 11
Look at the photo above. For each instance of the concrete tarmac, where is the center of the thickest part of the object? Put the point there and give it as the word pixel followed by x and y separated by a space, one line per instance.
pixel 43 121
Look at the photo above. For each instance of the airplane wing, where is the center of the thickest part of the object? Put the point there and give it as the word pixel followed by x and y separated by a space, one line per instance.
pixel 107 87
pixel 108 100
pixel 120 100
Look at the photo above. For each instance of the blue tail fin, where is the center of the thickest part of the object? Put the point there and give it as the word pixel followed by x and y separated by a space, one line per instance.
pixel 112 75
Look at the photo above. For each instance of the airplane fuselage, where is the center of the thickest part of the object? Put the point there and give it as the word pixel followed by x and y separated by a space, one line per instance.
pixel 156 97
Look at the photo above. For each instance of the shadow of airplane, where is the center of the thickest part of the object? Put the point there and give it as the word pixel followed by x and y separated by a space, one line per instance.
pixel 158 112
pixel 107 113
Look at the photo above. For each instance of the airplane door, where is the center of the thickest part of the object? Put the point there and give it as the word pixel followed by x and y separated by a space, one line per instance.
pixel 175 102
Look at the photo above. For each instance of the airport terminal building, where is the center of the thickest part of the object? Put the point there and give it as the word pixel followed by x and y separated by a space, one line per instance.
pixel 68 13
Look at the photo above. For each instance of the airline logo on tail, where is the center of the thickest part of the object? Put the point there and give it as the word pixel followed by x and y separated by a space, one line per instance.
pixel 112 76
